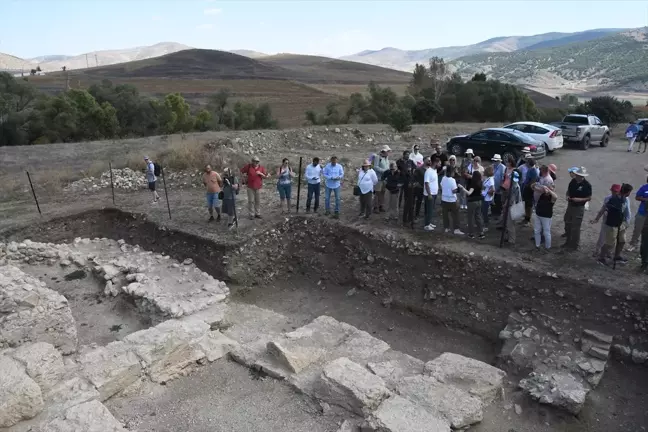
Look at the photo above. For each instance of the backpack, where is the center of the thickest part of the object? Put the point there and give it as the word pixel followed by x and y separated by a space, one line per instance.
pixel 615 207
pixel 157 169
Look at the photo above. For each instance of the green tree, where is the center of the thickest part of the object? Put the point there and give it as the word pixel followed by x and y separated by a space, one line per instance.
pixel 438 74
pixel 400 119
pixel 479 77
pixel 425 111
pixel 263 117
pixel 608 108
pixel 569 99
pixel 203 120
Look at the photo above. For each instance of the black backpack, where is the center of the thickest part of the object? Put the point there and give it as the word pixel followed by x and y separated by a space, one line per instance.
pixel 615 207
pixel 157 169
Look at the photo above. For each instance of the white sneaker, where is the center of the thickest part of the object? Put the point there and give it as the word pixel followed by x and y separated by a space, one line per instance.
pixel 447 230
pixel 458 232
pixel 432 225
pixel 428 228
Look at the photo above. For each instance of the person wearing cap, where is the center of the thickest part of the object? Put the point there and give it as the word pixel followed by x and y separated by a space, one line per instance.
pixel 380 166
pixel 392 179
pixel 498 175
pixel 579 192
pixel 526 153
pixel 367 180
pixel 333 174
pixel 254 174
pixel 151 179
pixel 640 217
pixel 615 190
pixel 631 133
pixel 617 219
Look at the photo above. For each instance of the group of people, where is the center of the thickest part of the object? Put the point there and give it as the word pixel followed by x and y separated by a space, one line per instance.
pixel 635 133
pixel 508 192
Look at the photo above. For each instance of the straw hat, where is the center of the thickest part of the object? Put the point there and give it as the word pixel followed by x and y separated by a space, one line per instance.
pixel 497 158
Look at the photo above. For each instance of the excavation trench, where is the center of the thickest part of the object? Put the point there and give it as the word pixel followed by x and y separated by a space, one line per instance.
pixel 420 300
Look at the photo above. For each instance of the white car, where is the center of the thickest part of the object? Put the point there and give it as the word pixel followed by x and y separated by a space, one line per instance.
pixel 550 135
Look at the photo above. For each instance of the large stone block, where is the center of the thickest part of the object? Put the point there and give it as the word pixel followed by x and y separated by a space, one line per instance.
pixel 475 377
pixel 42 362
pixel 351 386
pixel 90 416
pixel 398 414
pixel 20 396
pixel 447 401
pixel 30 312
pixel 110 369
pixel 559 389
pixel 169 348
pixel 395 365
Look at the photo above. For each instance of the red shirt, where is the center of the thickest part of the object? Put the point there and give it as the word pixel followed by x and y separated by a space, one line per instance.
pixel 254 180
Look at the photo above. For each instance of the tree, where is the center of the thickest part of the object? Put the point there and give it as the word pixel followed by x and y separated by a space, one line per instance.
pixel 203 120
pixel 425 111
pixel 218 103
pixel 438 72
pixel 569 99
pixel 479 77
pixel 400 119
pixel 608 108
pixel 263 117
pixel 420 79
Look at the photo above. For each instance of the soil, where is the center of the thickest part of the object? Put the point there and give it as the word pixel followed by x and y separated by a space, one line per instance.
pixel 375 280
pixel 100 319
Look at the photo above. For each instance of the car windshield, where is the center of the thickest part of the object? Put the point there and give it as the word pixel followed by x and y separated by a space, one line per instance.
pixel 576 120
pixel 524 137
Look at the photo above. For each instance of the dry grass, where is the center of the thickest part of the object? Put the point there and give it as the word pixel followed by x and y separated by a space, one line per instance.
pixel 189 153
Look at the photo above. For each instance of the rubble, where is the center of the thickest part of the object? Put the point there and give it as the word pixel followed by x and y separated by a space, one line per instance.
pixel 20 396
pixel 560 389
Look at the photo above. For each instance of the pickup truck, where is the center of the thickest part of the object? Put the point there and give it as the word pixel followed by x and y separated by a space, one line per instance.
pixel 583 129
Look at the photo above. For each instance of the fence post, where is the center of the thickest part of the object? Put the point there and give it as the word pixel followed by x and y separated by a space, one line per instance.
pixel 166 195
pixel 299 182
pixel 112 185
pixel 33 192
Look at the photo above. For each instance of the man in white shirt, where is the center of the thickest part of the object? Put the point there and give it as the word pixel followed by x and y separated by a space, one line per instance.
pixel 449 205
pixel 313 175
pixel 367 179
pixel 430 191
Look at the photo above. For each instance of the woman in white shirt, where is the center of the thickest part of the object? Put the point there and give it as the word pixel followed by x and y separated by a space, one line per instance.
pixel 367 179
pixel 449 205
pixel 488 192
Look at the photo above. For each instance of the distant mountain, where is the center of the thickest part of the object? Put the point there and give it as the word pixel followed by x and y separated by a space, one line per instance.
pixel 249 53
pixel 106 57
pixel 12 63
pixel 395 58
pixel 614 61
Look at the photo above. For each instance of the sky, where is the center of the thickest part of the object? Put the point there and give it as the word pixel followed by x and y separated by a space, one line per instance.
pixel 32 28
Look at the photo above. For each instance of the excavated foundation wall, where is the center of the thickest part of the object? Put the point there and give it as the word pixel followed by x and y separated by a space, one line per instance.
pixel 467 291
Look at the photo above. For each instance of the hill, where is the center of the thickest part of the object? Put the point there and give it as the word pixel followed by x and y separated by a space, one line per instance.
pixel 614 62
pixel 12 63
pixel 212 64
pixel 249 53
pixel 406 60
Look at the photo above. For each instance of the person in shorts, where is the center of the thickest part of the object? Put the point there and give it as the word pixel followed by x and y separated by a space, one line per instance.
pixel 213 183
pixel 151 178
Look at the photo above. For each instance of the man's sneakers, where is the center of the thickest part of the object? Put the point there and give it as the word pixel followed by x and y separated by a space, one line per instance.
pixel 429 227
pixel 458 232
pixel 211 219
pixel 621 260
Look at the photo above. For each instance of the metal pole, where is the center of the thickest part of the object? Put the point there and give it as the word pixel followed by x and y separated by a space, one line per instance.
pixel 299 177
pixel 33 192
pixel 112 185
pixel 166 195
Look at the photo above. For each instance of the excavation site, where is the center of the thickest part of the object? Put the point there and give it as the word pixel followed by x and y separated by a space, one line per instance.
pixel 111 322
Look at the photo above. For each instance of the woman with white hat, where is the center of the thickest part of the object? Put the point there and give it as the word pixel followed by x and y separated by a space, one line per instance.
pixel 466 175
pixel 380 167
pixel 367 179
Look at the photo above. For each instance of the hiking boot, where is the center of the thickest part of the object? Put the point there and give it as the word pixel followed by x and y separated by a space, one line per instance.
pixel 218 218
pixel 621 260
pixel 336 215
pixel 257 217
pixel 211 219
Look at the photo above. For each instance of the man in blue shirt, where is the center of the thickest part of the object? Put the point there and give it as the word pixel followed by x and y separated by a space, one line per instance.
pixel 631 135
pixel 333 175
pixel 640 218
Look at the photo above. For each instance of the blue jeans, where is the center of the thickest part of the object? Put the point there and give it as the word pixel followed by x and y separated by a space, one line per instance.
pixel 327 199
pixel 285 191
pixel 485 209
pixel 212 200
pixel 313 190
pixel 429 209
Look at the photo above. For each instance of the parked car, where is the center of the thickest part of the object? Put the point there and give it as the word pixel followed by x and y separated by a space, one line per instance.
pixel 488 142
pixel 584 129
pixel 550 135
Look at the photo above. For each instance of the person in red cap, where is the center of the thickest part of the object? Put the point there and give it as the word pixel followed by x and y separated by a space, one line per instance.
pixel 616 209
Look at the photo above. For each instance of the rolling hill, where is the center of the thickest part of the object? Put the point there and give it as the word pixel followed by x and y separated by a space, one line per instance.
pixel 249 53
pixel 406 60
pixel 213 64
pixel 616 62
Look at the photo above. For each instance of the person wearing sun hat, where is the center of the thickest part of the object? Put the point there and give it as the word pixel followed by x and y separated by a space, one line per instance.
pixel 380 167
pixel 367 180
pixel 579 192
pixel 498 176
pixel 466 175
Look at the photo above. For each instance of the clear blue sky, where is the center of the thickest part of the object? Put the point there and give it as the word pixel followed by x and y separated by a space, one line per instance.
pixel 32 28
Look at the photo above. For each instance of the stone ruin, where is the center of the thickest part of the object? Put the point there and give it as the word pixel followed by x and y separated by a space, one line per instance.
pixel 50 383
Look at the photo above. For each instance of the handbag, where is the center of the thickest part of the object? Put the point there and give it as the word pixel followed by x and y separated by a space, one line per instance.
pixel 356 188
pixel 516 211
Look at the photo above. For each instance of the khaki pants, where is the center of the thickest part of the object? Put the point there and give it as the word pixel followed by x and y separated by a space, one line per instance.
pixel 254 201
pixel 573 221
pixel 613 236
pixel 636 232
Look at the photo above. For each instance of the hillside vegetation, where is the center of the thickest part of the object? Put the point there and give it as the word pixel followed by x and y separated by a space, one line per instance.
pixel 613 62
